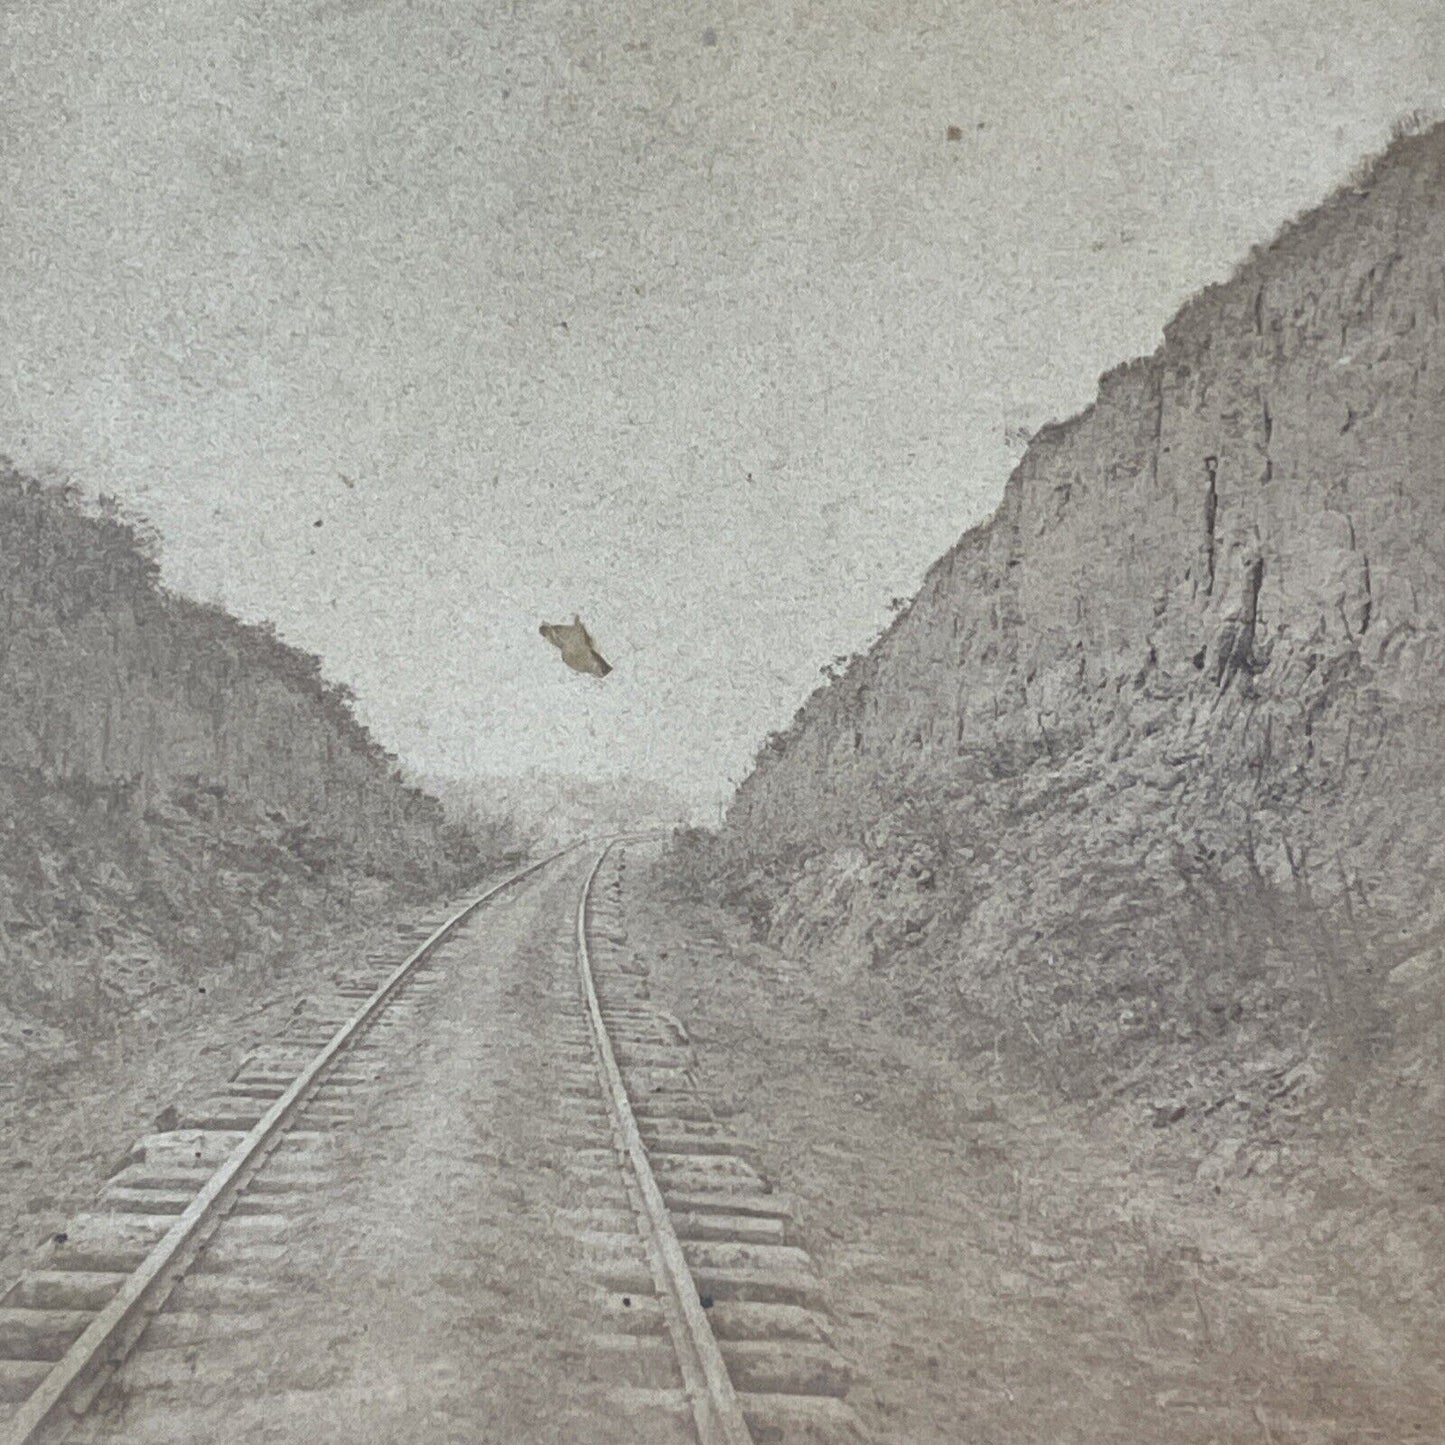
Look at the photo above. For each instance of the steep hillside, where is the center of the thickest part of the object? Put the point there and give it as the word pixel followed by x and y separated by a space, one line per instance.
pixel 178 790
pixel 1145 787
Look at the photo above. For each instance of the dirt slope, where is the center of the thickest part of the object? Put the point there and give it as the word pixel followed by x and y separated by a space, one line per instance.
pixel 1007 1267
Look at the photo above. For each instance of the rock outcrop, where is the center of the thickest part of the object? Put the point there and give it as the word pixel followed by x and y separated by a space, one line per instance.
pixel 178 790
pixel 1158 752
pixel 112 686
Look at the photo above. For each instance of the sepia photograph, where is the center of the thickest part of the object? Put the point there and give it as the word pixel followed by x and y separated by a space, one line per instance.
pixel 722 723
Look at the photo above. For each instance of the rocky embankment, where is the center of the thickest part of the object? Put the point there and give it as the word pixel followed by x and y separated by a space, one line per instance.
pixel 179 792
pixel 1144 788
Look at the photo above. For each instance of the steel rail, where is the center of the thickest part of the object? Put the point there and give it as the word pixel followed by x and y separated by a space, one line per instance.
pixel 110 1335
pixel 715 1406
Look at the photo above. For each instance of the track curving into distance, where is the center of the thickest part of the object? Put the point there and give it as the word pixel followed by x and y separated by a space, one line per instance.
pixel 705 1320
pixel 71 1382
pixel 714 1402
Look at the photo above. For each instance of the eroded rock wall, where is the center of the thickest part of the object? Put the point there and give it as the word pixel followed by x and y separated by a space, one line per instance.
pixel 1184 690
pixel 119 691
pixel 179 792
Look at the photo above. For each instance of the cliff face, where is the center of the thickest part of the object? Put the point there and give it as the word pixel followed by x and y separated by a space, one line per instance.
pixel 1158 750
pixel 108 685
pixel 177 788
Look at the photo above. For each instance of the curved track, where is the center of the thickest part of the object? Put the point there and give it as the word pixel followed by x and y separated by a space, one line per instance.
pixel 715 1405
pixel 706 1320
pixel 745 1307
pixel 104 1341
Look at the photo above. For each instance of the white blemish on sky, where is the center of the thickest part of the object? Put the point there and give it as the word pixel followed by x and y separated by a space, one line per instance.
pixel 715 343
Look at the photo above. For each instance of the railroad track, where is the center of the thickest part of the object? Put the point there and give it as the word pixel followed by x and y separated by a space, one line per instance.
pixel 702 1320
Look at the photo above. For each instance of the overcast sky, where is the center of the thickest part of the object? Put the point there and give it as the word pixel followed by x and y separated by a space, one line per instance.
pixel 687 317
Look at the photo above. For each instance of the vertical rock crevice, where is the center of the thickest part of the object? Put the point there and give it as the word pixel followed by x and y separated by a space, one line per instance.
pixel 1211 514
pixel 1236 643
